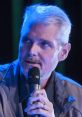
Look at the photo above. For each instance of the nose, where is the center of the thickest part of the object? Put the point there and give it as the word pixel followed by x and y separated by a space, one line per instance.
pixel 34 50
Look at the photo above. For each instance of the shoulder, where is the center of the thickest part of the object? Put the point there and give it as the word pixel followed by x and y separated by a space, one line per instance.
pixel 67 79
pixel 73 88
pixel 5 103
pixel 5 68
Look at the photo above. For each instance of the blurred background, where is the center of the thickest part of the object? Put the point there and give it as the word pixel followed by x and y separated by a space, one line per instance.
pixel 11 16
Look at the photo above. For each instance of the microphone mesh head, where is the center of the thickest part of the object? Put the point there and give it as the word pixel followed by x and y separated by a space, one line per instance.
pixel 34 76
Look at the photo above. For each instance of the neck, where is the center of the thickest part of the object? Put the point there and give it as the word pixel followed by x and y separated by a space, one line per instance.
pixel 43 83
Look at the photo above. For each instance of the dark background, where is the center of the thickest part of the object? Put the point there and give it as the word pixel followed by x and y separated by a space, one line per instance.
pixel 11 13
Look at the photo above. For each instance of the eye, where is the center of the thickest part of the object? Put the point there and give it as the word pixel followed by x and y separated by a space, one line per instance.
pixel 45 45
pixel 26 40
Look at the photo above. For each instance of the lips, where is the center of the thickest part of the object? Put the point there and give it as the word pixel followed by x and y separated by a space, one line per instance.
pixel 33 62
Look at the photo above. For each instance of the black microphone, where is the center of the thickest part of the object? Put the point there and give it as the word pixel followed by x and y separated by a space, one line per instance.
pixel 34 81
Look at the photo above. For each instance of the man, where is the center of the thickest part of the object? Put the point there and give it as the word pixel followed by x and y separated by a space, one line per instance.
pixel 44 42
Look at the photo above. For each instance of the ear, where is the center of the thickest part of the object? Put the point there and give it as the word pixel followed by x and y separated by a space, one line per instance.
pixel 64 52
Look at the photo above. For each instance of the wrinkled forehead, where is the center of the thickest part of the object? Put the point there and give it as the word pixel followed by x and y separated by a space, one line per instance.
pixel 45 30
pixel 47 22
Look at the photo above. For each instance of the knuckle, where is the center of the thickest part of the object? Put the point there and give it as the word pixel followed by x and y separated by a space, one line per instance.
pixel 43 90
pixel 39 110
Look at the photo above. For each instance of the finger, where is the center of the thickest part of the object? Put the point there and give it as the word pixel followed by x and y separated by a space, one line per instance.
pixel 36 105
pixel 47 107
pixel 39 98
pixel 40 105
pixel 40 92
pixel 35 102
pixel 40 111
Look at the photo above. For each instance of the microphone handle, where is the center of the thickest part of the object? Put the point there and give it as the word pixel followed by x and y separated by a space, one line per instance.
pixel 36 87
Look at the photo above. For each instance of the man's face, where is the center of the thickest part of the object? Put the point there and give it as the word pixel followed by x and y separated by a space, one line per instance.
pixel 40 48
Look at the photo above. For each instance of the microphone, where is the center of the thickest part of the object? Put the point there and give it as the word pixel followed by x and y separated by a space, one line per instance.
pixel 34 81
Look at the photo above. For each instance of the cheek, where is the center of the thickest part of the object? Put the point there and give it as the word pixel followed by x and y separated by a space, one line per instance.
pixel 22 51
pixel 48 58
pixel 52 59
pixel 55 57
pixel 50 55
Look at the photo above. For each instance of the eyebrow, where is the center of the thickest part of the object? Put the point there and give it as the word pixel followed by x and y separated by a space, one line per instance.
pixel 47 41
pixel 42 40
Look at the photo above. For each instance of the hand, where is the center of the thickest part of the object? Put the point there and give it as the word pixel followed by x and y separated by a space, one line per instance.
pixel 38 103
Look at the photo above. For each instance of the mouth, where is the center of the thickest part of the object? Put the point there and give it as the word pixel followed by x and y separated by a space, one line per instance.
pixel 33 63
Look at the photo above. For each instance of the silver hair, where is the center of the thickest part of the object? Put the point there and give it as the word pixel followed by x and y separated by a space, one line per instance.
pixel 47 14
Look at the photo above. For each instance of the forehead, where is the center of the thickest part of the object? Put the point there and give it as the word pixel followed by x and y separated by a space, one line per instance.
pixel 46 31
